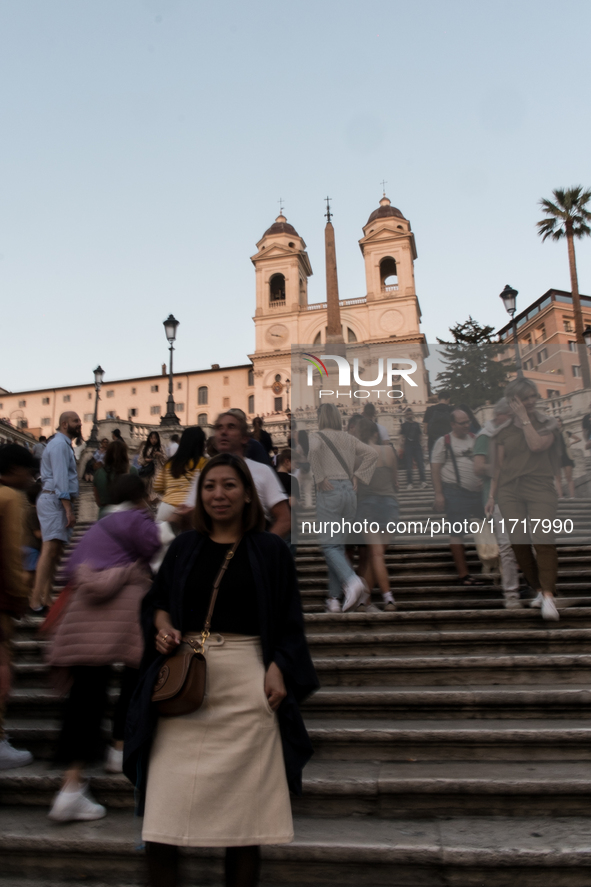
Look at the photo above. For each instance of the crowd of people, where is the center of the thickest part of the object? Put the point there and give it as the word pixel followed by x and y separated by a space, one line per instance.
pixel 193 554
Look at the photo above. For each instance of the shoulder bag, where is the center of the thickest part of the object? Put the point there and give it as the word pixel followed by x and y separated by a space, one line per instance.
pixel 180 686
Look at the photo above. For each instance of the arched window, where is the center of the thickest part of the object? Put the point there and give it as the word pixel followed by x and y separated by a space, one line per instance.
pixel 351 337
pixel 318 339
pixel 251 377
pixel 202 395
pixel 202 419
pixel 251 403
pixel 277 288
pixel 388 274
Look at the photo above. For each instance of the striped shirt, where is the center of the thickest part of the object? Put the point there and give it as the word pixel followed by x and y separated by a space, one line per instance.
pixel 174 490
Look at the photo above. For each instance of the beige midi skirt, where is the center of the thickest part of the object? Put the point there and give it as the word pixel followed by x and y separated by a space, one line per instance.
pixel 216 777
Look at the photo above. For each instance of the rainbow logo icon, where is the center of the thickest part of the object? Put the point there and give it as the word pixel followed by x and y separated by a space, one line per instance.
pixel 315 361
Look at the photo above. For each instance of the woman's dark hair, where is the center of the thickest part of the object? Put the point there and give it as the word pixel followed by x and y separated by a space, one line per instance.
pixel 369 411
pixel 127 488
pixel 147 444
pixel 116 458
pixel 191 447
pixel 304 441
pixel 366 430
pixel 257 427
pixel 253 517
pixel 116 434
pixel 15 456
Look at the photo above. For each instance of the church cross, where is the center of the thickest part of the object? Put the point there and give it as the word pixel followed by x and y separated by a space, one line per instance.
pixel 383 184
pixel 328 213
pixel 280 202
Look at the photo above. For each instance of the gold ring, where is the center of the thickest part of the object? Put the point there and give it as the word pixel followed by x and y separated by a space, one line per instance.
pixel 164 636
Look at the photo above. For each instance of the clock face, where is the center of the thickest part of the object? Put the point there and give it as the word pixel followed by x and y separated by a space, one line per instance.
pixel 277 335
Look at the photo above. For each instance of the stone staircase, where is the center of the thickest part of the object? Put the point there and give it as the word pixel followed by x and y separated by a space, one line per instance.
pixel 452 743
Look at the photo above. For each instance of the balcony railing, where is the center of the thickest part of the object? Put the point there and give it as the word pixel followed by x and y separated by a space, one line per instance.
pixel 343 303
pixel 277 303
pixel 391 288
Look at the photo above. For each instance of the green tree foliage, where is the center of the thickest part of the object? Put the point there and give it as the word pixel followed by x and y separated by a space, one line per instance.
pixel 568 217
pixel 475 369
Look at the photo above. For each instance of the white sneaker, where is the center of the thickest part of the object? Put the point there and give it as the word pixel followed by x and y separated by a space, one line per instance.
pixel 354 589
pixel 114 760
pixel 75 806
pixel 537 601
pixel 11 757
pixel 549 610
pixel 389 603
pixel 424 485
pixel 333 605
pixel 409 487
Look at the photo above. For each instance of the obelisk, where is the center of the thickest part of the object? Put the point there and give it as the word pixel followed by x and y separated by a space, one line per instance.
pixel 334 329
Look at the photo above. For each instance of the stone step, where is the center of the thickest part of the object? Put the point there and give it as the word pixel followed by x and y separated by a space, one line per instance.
pixel 387 790
pixel 439 620
pixel 496 852
pixel 436 670
pixel 474 739
pixel 378 640
pixel 533 701
pixel 386 739
pixel 527 701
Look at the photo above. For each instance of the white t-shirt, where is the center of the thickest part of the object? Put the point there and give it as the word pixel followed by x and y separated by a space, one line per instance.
pixel 171 449
pixel 268 486
pixel 462 449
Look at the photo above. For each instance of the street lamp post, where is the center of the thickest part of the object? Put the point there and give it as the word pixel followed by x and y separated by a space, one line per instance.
pixel 287 384
pixel 509 297
pixel 98 381
pixel 170 325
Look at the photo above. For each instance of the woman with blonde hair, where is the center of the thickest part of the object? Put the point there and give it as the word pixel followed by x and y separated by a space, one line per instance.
pixel 338 461
pixel 220 776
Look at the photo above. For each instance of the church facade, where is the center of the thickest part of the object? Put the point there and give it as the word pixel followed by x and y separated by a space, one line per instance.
pixel 388 312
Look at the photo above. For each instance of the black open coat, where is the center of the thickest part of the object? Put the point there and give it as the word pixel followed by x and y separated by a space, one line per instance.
pixel 282 638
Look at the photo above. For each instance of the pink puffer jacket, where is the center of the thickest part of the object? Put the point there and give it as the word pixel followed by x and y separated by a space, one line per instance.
pixel 101 625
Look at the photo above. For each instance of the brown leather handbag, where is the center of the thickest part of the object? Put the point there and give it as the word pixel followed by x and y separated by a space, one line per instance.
pixel 180 687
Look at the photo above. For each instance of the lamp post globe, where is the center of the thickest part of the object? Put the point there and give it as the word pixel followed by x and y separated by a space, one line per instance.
pixel 509 297
pixel 99 375
pixel 170 327
pixel 587 336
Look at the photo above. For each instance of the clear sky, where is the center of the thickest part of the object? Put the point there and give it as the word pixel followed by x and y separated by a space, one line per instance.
pixel 144 146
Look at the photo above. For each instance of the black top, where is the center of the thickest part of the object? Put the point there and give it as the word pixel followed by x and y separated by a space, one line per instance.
pixel 236 607
pixel 411 431
pixel 289 483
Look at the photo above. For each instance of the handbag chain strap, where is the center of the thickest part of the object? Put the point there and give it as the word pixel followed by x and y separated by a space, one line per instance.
pixel 216 587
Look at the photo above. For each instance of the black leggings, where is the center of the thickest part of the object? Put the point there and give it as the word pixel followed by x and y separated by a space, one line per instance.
pixel 242 865
pixel 80 737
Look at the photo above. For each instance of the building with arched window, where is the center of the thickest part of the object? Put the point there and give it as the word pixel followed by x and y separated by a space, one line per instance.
pixel 388 311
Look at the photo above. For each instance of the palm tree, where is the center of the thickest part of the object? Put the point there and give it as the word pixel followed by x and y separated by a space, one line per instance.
pixel 568 217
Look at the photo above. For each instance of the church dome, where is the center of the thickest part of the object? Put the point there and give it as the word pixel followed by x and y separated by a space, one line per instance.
pixel 281 226
pixel 384 210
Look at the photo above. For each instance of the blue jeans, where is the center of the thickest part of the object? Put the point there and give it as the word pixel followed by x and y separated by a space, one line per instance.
pixel 338 504
pixel 413 451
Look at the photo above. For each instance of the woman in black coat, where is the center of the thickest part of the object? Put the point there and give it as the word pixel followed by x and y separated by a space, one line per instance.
pixel 220 776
